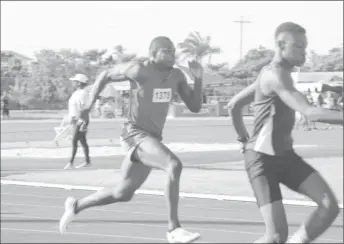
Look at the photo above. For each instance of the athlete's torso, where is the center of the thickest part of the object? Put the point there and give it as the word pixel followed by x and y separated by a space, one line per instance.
pixel 273 122
pixel 151 93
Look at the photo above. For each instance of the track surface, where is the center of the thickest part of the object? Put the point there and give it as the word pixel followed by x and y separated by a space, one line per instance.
pixel 31 215
pixel 329 142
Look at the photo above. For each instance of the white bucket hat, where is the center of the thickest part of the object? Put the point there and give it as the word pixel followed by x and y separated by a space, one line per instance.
pixel 80 77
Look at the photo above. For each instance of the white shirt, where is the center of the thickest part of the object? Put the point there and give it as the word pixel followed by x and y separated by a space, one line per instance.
pixel 315 97
pixel 77 101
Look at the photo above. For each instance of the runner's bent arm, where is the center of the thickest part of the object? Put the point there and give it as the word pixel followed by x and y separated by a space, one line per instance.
pixel 235 107
pixel 118 73
pixel 282 84
pixel 191 97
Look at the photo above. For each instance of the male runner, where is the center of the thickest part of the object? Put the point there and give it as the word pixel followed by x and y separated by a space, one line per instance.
pixel 153 84
pixel 269 155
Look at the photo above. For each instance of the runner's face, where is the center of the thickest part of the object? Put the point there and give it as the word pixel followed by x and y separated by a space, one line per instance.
pixel 166 56
pixel 295 49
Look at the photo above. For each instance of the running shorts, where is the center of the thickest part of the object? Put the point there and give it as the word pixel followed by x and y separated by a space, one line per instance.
pixel 266 172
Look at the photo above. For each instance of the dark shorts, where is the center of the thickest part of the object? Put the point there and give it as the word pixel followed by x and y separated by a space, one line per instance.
pixel 132 136
pixel 266 172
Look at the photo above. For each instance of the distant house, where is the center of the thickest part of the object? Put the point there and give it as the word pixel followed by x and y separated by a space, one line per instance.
pixel 311 80
pixel 13 61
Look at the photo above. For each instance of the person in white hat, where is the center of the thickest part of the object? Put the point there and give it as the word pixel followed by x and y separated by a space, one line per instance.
pixel 75 105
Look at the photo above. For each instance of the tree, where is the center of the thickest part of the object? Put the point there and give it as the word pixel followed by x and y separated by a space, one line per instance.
pixel 94 56
pixel 252 63
pixel 48 84
pixel 333 61
pixel 118 55
pixel 23 92
pixel 197 47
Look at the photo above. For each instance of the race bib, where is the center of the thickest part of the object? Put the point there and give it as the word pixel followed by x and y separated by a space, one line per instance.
pixel 162 95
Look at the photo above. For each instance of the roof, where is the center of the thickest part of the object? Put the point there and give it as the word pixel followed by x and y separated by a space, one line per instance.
pixel 17 54
pixel 314 77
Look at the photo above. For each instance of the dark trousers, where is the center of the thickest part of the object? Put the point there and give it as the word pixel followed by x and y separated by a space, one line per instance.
pixel 77 136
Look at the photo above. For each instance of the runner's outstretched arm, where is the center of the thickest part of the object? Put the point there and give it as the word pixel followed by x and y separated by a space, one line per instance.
pixel 192 97
pixel 282 84
pixel 235 107
pixel 118 73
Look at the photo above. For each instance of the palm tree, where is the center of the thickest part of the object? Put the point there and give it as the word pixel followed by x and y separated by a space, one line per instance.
pixel 197 47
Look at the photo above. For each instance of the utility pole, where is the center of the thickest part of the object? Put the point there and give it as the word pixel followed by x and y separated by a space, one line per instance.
pixel 241 22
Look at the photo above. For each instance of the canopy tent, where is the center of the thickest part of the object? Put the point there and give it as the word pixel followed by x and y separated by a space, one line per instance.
pixel 322 81
pixel 333 85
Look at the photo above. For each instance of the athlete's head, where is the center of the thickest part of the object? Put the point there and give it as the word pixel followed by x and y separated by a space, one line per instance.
pixel 162 51
pixel 291 43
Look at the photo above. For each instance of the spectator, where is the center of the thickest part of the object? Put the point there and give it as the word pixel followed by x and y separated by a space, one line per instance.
pixel 5 106
pixel 75 105
pixel 204 98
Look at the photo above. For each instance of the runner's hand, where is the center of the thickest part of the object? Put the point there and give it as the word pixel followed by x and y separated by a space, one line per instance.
pixel 242 147
pixel 196 69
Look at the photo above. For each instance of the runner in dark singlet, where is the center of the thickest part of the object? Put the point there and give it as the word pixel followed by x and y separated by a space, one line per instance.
pixel 153 84
pixel 268 152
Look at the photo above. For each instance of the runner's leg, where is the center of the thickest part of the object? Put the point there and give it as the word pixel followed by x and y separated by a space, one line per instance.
pixel 302 178
pixel 153 153
pixel 263 173
pixel 134 175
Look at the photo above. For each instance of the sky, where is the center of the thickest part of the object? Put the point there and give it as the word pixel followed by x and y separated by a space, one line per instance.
pixel 29 26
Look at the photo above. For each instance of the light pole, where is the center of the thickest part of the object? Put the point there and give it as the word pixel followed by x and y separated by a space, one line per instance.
pixel 241 22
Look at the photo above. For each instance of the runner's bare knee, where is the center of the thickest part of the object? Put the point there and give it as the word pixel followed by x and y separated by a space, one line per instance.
pixel 329 207
pixel 316 188
pixel 174 167
pixel 122 194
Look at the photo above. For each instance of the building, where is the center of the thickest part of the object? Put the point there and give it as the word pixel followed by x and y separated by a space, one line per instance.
pixel 311 80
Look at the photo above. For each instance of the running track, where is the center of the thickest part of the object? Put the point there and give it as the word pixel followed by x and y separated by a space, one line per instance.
pixel 31 215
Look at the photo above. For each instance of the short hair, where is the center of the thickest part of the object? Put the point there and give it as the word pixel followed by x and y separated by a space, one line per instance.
pixel 158 42
pixel 289 27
